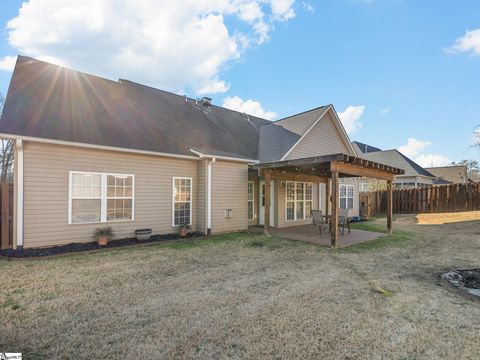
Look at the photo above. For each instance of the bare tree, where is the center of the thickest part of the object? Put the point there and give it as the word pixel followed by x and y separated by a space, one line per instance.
pixel 6 152
pixel 473 167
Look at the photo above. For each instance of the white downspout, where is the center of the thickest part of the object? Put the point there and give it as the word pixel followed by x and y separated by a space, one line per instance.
pixel 19 170
pixel 209 195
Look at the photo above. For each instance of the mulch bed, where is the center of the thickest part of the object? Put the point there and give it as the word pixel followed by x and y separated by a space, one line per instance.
pixel 89 246
pixel 466 280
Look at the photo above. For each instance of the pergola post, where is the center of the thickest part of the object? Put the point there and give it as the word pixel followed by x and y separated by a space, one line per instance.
pixel 327 195
pixel 389 206
pixel 334 219
pixel 266 178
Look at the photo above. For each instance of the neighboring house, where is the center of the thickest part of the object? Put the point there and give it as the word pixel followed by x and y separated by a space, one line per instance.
pixel 92 152
pixel 415 176
pixel 455 174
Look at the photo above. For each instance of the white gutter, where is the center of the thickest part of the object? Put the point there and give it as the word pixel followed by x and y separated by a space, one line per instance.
pixel 228 158
pixel 19 178
pixel 99 147
pixel 209 195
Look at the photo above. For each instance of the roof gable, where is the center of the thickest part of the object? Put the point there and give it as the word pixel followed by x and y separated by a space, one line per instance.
pixel 325 136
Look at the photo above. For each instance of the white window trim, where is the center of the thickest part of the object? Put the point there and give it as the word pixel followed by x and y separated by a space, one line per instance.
pixel 346 186
pixel 251 201
pixel 173 198
pixel 103 197
pixel 304 201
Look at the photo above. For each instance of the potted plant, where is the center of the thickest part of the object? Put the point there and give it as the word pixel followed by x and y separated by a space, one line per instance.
pixel 184 230
pixel 143 234
pixel 103 235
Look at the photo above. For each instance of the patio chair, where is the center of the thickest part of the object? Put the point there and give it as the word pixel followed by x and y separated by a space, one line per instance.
pixel 319 220
pixel 343 220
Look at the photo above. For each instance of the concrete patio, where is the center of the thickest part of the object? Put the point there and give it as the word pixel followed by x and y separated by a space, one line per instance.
pixel 310 233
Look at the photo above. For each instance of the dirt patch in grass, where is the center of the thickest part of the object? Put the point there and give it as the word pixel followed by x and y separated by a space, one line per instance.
pixel 246 296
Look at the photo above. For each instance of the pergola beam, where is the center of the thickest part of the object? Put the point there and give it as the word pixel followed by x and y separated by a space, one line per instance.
pixel 360 171
pixel 292 176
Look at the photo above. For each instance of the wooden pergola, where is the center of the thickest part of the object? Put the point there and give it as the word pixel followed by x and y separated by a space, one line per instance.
pixel 322 169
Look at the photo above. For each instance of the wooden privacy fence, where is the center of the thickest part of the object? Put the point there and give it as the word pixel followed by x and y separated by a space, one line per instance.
pixel 6 216
pixel 445 198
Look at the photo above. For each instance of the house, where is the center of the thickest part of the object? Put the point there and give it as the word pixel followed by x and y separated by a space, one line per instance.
pixel 454 174
pixel 91 151
pixel 414 175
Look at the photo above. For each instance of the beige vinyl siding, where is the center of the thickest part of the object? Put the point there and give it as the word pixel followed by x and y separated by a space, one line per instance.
pixel 46 179
pixel 356 200
pixel 201 191
pixel 323 139
pixel 229 191
pixel 420 180
pixel 280 206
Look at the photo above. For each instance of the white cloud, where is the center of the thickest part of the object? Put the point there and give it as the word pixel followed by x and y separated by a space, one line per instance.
pixel 413 147
pixel 249 106
pixel 212 87
pixel 468 42
pixel 169 44
pixel 8 63
pixel 429 160
pixel 282 9
pixel 350 118
pixel 385 111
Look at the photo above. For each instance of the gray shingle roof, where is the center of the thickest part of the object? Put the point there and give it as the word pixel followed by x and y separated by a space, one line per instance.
pixel 456 174
pixel 301 122
pixel 275 141
pixel 396 159
pixel 52 102
pixel 362 148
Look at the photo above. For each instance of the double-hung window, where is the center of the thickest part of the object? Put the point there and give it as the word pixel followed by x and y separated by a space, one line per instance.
pixel 182 201
pixel 100 197
pixel 251 200
pixel 299 198
pixel 119 197
pixel 346 197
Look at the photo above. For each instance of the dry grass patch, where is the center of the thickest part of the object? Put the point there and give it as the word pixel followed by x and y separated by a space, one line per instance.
pixel 447 218
pixel 244 296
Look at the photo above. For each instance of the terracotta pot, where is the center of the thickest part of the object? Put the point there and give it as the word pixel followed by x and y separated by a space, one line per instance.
pixel 183 232
pixel 103 241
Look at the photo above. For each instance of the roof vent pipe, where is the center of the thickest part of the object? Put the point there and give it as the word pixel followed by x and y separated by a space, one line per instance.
pixel 206 101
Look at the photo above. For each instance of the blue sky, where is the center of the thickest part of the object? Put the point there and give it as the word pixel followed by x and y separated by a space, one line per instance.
pixel 391 63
